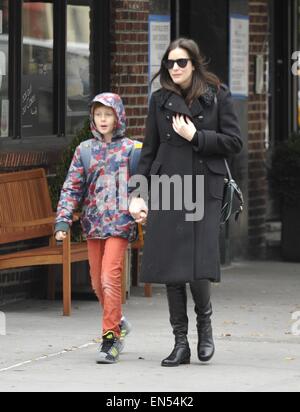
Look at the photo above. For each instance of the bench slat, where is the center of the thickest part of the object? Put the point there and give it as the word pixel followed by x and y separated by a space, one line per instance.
pixel 43 256
pixel 24 202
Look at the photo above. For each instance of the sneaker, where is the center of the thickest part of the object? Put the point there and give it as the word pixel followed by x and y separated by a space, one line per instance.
pixel 110 349
pixel 125 331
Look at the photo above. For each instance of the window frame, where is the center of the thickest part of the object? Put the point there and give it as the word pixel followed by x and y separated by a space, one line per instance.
pixel 100 73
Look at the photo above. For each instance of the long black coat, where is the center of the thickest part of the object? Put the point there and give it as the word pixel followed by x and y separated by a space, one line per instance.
pixel 176 250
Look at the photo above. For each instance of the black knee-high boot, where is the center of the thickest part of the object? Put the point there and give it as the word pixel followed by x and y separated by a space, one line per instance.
pixel 177 299
pixel 201 291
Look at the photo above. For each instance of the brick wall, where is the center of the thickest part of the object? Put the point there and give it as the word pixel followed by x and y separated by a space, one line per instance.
pixel 258 121
pixel 11 162
pixel 129 66
pixel 22 284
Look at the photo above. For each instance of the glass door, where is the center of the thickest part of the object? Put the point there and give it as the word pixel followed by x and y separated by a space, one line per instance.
pixel 78 63
pixel 37 68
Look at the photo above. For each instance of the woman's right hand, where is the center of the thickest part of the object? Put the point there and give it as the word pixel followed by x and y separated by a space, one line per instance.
pixel 59 236
pixel 139 210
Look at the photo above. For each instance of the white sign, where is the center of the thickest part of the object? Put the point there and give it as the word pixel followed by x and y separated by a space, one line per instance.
pixel 159 41
pixel 2 67
pixel 4 118
pixel 239 56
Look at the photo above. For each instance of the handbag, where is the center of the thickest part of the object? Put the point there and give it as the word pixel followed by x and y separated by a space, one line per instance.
pixel 233 200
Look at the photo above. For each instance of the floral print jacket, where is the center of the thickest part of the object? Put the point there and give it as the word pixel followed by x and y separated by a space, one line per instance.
pixel 103 193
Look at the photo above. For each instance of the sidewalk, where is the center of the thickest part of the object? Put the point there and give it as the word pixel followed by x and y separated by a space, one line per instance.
pixel 256 350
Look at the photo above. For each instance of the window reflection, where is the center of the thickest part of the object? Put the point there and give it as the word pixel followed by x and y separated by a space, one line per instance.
pixel 159 7
pixel 37 79
pixel 78 64
pixel 4 102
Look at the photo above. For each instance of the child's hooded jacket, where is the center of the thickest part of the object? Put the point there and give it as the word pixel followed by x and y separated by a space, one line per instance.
pixel 102 216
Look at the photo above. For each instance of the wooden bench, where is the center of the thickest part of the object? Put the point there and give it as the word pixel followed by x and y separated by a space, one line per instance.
pixel 26 213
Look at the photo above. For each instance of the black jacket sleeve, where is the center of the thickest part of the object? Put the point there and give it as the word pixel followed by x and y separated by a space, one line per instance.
pixel 227 140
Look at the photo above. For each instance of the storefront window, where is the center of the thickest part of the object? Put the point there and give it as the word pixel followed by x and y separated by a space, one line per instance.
pixel 4 102
pixel 58 56
pixel 37 65
pixel 78 63
pixel 160 7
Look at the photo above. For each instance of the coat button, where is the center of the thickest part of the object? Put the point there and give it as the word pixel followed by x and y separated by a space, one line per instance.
pixel 170 104
pixel 168 136
pixel 168 117
pixel 201 117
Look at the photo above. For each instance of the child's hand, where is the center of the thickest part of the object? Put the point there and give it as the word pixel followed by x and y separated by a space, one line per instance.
pixel 139 210
pixel 59 236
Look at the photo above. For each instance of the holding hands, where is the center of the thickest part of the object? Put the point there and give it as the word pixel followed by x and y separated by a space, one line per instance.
pixel 184 127
pixel 139 210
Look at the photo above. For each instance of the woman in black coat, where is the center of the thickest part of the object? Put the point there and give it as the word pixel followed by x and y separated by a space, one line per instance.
pixel 191 128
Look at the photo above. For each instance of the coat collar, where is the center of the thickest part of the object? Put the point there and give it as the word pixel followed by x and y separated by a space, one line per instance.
pixel 177 104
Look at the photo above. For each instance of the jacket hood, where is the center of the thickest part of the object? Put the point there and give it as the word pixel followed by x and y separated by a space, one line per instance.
pixel 113 101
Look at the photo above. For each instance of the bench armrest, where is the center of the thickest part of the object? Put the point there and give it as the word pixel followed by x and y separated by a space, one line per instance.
pixel 33 223
pixel 39 222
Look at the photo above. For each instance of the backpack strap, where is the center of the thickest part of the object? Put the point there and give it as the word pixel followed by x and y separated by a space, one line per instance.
pixel 135 157
pixel 86 155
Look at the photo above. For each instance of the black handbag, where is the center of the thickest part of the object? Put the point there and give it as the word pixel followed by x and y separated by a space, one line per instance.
pixel 233 200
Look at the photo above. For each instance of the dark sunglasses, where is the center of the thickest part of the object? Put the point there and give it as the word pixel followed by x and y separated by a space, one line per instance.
pixel 182 63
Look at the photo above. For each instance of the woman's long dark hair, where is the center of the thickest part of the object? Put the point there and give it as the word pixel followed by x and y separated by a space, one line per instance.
pixel 202 78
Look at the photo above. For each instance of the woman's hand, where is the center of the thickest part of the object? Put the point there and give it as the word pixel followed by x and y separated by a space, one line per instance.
pixel 184 127
pixel 59 236
pixel 139 210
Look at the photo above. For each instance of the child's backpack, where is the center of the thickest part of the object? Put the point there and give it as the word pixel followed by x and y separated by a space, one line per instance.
pixel 135 156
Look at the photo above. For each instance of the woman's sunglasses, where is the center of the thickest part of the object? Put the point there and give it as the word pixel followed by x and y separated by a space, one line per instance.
pixel 182 63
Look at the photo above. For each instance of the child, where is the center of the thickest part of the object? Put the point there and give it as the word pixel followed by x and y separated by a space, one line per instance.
pixel 107 229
